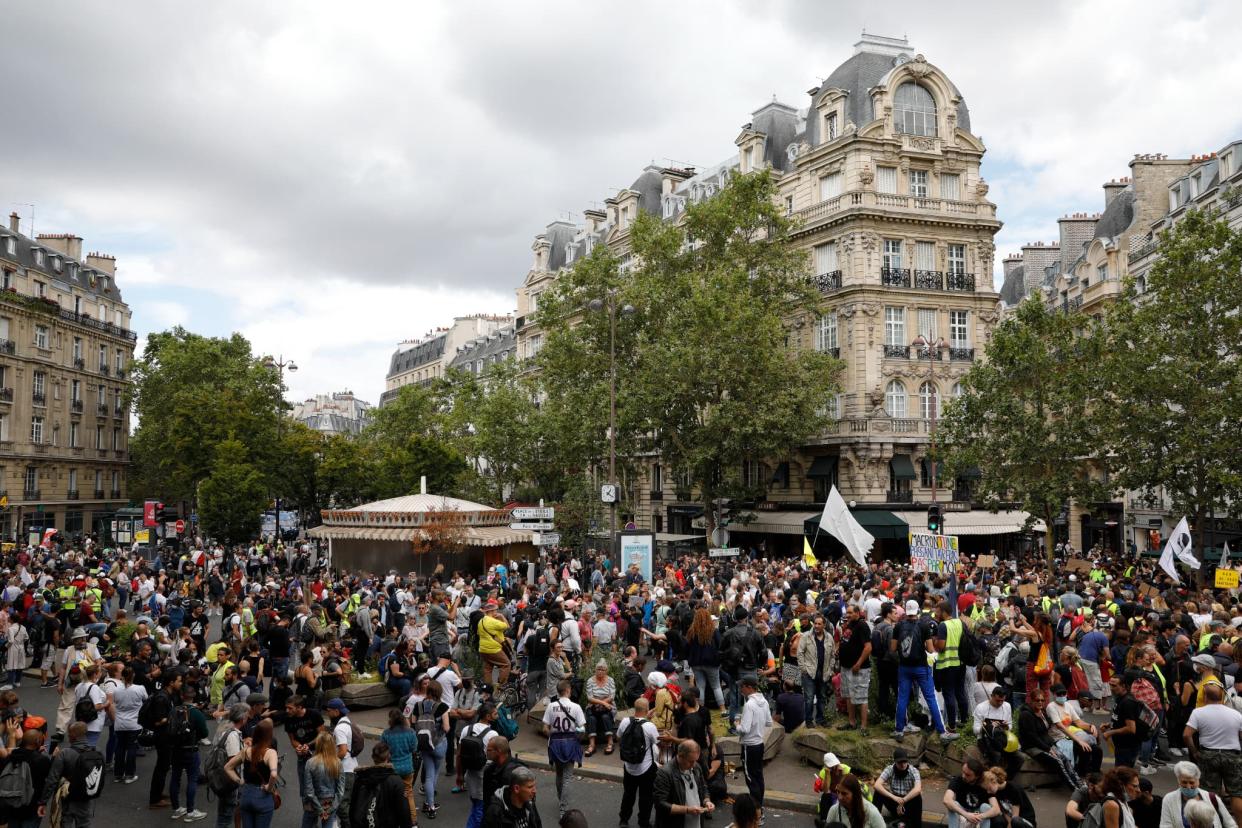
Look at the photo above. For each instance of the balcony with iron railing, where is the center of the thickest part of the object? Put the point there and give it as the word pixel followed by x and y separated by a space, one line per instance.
pixel 99 493
pixel 75 406
pixel 120 373
pixel 116 494
pixel 957 281
pixel 72 494
pixel 896 351
pixel 895 277
pixel 104 327
pixel 962 354
pixel 6 395
pixel 830 208
pixel 827 281
pixel 8 346
pixel 30 494
pixel 39 399
pixel 102 409
pixel 103 370
pixel 899 496
pixel 79 363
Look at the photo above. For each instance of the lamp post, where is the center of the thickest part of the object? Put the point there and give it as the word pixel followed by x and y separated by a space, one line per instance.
pixel 931 352
pixel 280 364
pixel 610 305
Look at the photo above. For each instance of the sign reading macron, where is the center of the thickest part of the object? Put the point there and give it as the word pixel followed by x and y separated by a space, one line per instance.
pixel 934 554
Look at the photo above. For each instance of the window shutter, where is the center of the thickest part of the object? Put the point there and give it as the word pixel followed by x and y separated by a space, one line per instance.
pixel 826 258
pixel 830 186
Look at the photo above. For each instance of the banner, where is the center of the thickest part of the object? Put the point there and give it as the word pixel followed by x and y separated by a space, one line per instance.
pixel 933 554
pixel 1226 579
pixel 148 512
pixel 837 521
pixel 638 548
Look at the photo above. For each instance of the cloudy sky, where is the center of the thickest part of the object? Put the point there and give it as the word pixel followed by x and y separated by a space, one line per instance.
pixel 330 178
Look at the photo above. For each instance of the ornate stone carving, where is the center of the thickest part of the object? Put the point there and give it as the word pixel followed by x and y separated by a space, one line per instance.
pixel 981 189
pixel 875 399
pixel 870 242
pixel 920 142
pixel 919 67
pixel 871 308
pixel 988 317
pixel 866 175
pixel 850 128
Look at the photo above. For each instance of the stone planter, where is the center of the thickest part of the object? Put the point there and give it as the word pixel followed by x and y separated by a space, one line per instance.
pixel 367 696
pixel 772 741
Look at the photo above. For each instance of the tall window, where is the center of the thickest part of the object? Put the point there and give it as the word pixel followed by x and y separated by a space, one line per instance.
pixel 4 427
pixel 914 110
pixel 959 329
pixel 829 186
pixel 894 326
pixel 41 336
pixel 826 332
pixel 832 407
pixel 826 258
pixel 886 179
pixel 10 246
pixel 116 481
pixel 116 439
pixel 918 183
pixel 77 348
pixel 927 324
pixel 929 400
pixel 957 259
pixel 924 255
pixel 32 478
pixel 657 478
pixel 73 480
pixel 75 391
pixel 39 383
pixel 74 437
pixel 99 481
pixel 892 253
pixel 36 430
pixel 895 399
pixel 103 357
pixel 830 126
pixel 958 390
pixel 1101 273
pixel 99 441
pixel 951 186
pixel 40 289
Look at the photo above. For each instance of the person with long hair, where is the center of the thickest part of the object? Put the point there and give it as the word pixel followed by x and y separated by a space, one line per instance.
pixel 433 754
pixel 306 680
pixel 259 773
pixel 852 809
pixel 1120 785
pixel 703 654
pixel 323 782
pixel 746 814
pixel 402 745
pixel 1039 666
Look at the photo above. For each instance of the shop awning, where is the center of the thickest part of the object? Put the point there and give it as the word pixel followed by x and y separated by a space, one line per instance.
pixel 774 523
pixel 902 468
pixel 781 475
pixel 926 464
pixel 470 535
pixel 880 523
pixel 670 537
pixel 973 523
pixel 824 467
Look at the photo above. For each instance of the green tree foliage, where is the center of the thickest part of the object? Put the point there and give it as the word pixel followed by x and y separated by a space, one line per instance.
pixel 1028 417
pixel 297 475
pixel 344 476
pixel 705 376
pixel 232 497
pixel 190 394
pixel 408 438
pixel 1174 372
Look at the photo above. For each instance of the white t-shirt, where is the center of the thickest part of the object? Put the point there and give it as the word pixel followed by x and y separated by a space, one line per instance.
pixel 475 728
pixel 127 701
pixel 564 716
pixel 344 735
pixel 652 737
pixel 449 680
pixel 97 697
pixel 1218 726
pixel 605 631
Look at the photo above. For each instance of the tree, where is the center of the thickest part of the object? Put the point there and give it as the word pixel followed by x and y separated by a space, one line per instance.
pixel 297 475
pixel 706 379
pixel 1029 417
pixel 344 476
pixel 409 439
pixel 232 498
pixel 1174 372
pixel 190 394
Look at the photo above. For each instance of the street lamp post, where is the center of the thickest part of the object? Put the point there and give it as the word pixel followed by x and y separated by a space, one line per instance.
pixel 280 364
pixel 932 353
pixel 610 305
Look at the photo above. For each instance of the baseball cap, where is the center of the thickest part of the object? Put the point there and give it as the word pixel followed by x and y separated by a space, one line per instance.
pixel 831 760
pixel 901 755
pixel 337 705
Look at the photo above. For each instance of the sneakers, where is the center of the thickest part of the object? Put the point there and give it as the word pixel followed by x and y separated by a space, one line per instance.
pixel 205 742
pixel 1146 770
pixel 47 684
pixel 899 735
pixel 1178 752
pixel 195 815
pixel 949 736
pixel 913 728
pixel 129 780
pixel 178 814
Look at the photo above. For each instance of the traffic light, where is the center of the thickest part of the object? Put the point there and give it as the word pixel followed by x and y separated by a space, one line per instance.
pixel 935 521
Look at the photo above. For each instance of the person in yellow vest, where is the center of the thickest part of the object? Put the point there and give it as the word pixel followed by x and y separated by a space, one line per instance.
pixel 222 665
pixel 949 671
pixel 827 780
pixel 1097 575
pixel 1205 668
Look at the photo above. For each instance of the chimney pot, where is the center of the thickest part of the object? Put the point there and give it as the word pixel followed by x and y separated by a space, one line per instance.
pixel 15 221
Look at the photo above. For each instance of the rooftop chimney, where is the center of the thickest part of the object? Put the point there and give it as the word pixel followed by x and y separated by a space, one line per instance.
pixel 1112 188
pixel 15 221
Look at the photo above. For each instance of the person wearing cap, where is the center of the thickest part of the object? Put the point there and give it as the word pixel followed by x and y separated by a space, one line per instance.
pixel 827 780
pixel 73 663
pixel 492 629
pixel 751 731
pixel 899 790
pixel 343 733
pixel 1205 668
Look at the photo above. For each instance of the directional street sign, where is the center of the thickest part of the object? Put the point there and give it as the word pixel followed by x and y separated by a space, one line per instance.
pixel 546 538
pixel 727 552
pixel 534 526
pixel 533 513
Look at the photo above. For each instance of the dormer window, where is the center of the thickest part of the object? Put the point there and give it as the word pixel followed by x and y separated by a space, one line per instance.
pixel 38 257
pixel 73 271
pixel 754 157
pixel 1173 198
pixel 10 246
pixel 914 110
pixel 830 126
pixel 1194 185
pixel 57 264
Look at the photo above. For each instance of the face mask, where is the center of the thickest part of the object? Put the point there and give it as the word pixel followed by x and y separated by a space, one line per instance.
pixel 1062 699
pixel 1189 793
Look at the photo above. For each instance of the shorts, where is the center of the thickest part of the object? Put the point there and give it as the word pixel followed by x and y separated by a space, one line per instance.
pixel 1221 771
pixel 856 687
pixel 1095 682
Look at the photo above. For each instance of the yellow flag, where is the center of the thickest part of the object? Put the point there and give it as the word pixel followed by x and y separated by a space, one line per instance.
pixel 808 557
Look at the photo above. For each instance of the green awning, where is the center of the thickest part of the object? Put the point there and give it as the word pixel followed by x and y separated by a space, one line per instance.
pixel 781 475
pixel 927 469
pixel 825 467
pixel 902 468
pixel 880 523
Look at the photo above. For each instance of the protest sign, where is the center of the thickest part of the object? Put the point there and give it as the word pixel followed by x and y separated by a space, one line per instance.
pixel 933 554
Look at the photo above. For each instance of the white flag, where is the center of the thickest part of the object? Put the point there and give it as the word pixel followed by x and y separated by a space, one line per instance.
pixel 1166 563
pixel 1180 544
pixel 838 522
pixel 1224 557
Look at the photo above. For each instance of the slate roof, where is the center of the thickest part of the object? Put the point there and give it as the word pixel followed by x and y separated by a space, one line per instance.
pixel 559 234
pixel 490 348
pixel 25 260
pixel 1117 216
pixel 411 358
pixel 650 189
pixel 780 123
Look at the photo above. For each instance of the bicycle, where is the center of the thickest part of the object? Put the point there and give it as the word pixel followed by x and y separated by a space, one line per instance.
pixel 514 695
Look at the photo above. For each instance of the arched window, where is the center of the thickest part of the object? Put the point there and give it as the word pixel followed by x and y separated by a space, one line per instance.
pixel 958 390
pixel 895 399
pixel 914 110
pixel 929 400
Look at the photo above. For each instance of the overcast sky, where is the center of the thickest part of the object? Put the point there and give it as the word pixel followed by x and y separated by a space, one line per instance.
pixel 330 178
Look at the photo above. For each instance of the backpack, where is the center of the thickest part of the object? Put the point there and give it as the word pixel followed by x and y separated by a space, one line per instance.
pixel 213 768
pixel 180 727
pixel 16 786
pixel 471 749
pixel 86 779
pixel 357 740
pixel 634 742
pixel 881 638
pixel 1003 658
pixel 85 710
pixel 968 648
pixel 365 801
pixel 1093 817
pixel 911 648
pixel 383 665
pixel 426 726
pixel 505 724
pixel 540 644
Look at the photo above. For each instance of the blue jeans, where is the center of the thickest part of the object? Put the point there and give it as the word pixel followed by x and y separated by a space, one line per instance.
pixel 955 821
pixel 184 761
pixel 704 677
pixel 475 820
pixel 433 761
pixel 922 676
pixel 257 807
pixel 280 667
pixel 400 686
pixel 814 696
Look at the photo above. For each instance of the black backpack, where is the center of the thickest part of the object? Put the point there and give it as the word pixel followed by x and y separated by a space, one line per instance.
pixel 540 644
pixel 969 651
pixel 472 750
pixel 634 742
pixel 911 645
pixel 86 775
pixel 85 710
pixel 180 727
pixel 881 638
pixel 365 805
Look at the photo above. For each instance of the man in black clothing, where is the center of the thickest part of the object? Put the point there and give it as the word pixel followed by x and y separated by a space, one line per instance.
pixel 514 805
pixel 157 721
pixel 197 622
pixel 302 726
pixel 498 772
pixel 30 752
pixel 388 806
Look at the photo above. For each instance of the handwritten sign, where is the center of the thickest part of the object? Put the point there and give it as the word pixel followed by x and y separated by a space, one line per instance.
pixel 1028 590
pixel 1078 565
pixel 1226 579
pixel 934 554
pixel 986 561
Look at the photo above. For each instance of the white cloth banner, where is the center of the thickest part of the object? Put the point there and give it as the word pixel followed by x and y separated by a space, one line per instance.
pixel 838 522
pixel 1180 543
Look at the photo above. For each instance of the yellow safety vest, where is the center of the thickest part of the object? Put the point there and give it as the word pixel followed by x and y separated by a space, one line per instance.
pixel 68 597
pixel 845 769
pixel 950 657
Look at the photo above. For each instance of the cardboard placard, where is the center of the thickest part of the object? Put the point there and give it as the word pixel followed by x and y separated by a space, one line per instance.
pixel 1148 589
pixel 1226 579
pixel 986 561
pixel 1078 565
pixel 1028 590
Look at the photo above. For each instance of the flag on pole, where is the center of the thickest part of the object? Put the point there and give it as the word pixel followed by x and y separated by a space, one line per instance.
pixel 838 522
pixel 1166 563
pixel 1180 543
pixel 1224 557
pixel 809 561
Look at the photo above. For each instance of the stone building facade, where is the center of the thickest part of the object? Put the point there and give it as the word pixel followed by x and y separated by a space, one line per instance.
pixel 336 413
pixel 880 169
pixel 422 361
pixel 66 344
